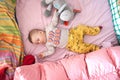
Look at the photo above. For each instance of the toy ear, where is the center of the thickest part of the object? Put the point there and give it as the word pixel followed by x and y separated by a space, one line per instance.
pixel 43 3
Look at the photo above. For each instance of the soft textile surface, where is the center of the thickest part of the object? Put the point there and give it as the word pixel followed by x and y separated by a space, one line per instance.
pixel 103 64
pixel 30 15
pixel 115 9
pixel 11 47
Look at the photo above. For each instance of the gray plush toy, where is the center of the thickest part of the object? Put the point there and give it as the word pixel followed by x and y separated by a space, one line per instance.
pixel 65 12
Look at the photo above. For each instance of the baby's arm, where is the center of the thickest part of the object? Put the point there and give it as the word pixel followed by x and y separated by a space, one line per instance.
pixel 54 21
pixel 50 51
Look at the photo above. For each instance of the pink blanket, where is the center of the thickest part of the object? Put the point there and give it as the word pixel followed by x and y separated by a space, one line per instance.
pixel 103 64
pixel 30 14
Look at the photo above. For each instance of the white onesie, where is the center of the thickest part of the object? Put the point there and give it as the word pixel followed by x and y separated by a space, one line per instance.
pixel 56 37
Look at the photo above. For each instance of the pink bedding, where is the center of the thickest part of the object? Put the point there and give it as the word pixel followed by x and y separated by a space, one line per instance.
pixel 30 14
pixel 103 64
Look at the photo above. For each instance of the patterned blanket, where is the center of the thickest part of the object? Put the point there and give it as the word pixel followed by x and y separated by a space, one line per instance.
pixel 11 47
pixel 115 9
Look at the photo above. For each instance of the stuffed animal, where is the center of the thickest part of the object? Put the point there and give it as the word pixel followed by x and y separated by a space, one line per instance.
pixel 66 13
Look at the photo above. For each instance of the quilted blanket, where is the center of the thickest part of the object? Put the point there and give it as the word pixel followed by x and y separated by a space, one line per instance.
pixel 103 64
pixel 11 47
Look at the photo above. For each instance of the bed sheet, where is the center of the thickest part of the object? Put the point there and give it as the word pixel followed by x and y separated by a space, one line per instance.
pixel 30 14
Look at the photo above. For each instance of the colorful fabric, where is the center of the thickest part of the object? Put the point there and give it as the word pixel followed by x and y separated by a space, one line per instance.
pixel 11 47
pixel 76 42
pixel 115 9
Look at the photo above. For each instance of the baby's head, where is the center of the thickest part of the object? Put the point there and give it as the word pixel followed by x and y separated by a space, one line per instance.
pixel 37 36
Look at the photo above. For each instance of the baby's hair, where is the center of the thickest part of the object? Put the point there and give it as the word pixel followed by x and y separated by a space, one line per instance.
pixel 31 32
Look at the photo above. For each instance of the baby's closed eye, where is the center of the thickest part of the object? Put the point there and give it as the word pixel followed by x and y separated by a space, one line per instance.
pixel 38 41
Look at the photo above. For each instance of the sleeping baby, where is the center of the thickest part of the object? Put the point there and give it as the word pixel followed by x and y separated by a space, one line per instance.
pixel 71 39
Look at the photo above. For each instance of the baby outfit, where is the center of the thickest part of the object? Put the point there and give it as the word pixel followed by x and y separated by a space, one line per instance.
pixel 71 39
pixel 75 40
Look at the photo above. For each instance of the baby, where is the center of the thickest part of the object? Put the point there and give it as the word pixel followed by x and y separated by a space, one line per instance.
pixel 71 39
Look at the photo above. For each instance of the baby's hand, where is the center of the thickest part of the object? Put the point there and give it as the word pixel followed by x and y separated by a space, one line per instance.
pixel 41 55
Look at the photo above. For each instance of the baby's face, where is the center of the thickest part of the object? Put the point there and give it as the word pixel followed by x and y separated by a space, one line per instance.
pixel 38 37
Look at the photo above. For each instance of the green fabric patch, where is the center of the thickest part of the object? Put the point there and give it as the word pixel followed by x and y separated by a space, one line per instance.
pixel 115 9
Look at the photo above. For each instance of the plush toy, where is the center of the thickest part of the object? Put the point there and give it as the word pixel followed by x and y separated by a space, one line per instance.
pixel 66 13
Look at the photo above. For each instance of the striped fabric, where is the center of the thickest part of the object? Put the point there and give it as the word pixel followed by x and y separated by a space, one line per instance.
pixel 11 47
pixel 115 9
